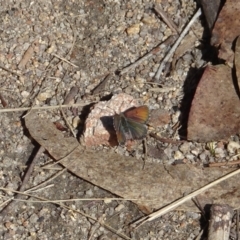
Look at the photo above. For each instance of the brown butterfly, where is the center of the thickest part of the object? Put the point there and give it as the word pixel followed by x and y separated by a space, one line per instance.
pixel 131 124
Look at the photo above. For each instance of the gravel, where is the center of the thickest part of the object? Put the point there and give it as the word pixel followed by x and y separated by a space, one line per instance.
pixel 97 38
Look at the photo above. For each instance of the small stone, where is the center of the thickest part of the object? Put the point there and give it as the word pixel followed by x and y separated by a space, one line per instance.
pixel 203 157
pixel 119 207
pixel 25 94
pixel 219 153
pixel 159 118
pixel 195 152
pixel 75 122
pixel 178 155
pixel 232 147
pixel 89 193
pixel 44 96
pixel 185 147
pixel 134 29
pixel 148 20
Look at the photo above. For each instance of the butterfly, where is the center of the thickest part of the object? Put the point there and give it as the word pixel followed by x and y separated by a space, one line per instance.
pixel 130 124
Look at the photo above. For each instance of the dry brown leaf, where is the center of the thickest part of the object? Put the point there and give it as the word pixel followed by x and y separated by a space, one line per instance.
pixel 125 177
pixel 237 62
pixel 215 110
pixel 226 29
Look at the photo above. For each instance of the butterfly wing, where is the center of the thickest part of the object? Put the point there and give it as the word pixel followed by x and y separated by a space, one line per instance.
pixel 137 130
pixel 138 114
pixel 119 129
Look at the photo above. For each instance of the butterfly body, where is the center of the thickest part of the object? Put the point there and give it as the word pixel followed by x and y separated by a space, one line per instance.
pixel 131 124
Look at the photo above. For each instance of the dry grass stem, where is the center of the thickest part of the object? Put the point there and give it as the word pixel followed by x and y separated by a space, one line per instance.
pixel 40 189
pixel 26 193
pixel 6 202
pixel 64 60
pixel 165 18
pixel 150 54
pixel 174 47
pixel 22 109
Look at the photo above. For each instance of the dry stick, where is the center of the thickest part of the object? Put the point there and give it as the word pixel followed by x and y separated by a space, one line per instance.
pixel 40 189
pixel 220 164
pixel 64 60
pixel 22 109
pixel 93 229
pixel 170 53
pixel 74 210
pixel 25 180
pixel 166 140
pixel 167 20
pixel 7 201
pixel 150 54
pixel 177 203
pixel 220 222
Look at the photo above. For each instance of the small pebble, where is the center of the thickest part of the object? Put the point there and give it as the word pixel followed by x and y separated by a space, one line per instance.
pixel 133 30
pixel 232 147
pixel 178 155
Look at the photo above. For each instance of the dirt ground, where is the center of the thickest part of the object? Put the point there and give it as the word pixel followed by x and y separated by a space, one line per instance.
pixel 48 47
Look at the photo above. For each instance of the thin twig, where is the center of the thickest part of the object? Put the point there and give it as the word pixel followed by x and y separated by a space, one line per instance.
pixel 150 54
pixel 26 193
pixel 7 201
pixel 166 140
pixel 43 183
pixel 62 159
pixel 40 189
pixel 22 109
pixel 165 18
pixel 93 229
pixel 170 53
pixel 177 203
pixel 64 60
pixel 220 164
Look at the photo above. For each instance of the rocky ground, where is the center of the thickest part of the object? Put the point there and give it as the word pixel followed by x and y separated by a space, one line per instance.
pixel 96 38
